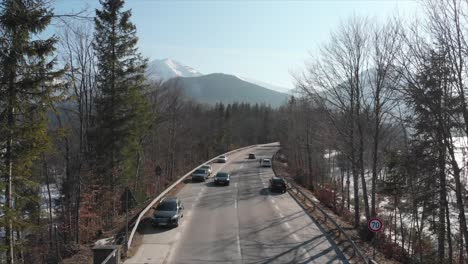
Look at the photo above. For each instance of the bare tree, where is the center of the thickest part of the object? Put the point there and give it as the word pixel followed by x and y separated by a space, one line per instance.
pixel 335 83
pixel 382 79
pixel 77 52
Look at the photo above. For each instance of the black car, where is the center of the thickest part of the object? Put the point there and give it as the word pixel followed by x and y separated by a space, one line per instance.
pixel 252 156
pixel 168 212
pixel 277 184
pixel 222 178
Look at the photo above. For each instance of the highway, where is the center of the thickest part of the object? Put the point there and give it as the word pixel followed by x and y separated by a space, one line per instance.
pixel 240 223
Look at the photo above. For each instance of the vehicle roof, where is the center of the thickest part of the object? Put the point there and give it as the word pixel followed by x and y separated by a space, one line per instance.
pixel 266 159
pixel 169 199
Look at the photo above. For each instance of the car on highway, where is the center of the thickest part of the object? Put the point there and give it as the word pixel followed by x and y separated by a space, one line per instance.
pixel 277 184
pixel 222 159
pixel 206 167
pixel 252 156
pixel 222 178
pixel 200 175
pixel 168 212
pixel 265 162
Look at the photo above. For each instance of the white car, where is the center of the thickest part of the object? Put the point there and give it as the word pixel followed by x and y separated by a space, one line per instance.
pixel 265 163
pixel 206 167
pixel 222 159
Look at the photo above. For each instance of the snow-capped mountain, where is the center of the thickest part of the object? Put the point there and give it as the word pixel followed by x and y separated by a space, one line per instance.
pixel 168 68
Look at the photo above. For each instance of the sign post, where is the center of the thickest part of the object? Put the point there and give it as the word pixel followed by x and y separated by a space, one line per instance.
pixel 375 225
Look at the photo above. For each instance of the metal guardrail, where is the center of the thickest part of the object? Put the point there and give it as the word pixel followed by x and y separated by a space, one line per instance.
pixel 292 187
pixel 165 192
pixel 112 258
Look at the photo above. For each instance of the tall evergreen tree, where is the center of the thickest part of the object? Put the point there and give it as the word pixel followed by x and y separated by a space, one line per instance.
pixel 26 87
pixel 122 111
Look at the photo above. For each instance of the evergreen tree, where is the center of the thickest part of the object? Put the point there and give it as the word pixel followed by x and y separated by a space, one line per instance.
pixel 434 103
pixel 27 85
pixel 122 111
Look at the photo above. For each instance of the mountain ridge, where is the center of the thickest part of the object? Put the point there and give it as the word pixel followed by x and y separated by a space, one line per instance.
pixel 226 88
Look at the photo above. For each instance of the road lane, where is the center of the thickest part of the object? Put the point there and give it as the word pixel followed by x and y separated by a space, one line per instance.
pixel 240 223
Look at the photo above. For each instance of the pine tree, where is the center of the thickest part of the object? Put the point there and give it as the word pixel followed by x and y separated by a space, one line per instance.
pixel 27 86
pixel 122 111
pixel 434 104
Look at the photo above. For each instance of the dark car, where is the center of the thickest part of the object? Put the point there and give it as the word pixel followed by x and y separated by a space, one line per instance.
pixel 222 178
pixel 277 184
pixel 168 212
pixel 252 156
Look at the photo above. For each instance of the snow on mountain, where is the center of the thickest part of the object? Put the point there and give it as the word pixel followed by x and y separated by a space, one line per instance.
pixel 168 68
pixel 266 85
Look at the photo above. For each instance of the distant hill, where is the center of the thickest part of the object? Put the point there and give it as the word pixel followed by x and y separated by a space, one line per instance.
pixel 225 88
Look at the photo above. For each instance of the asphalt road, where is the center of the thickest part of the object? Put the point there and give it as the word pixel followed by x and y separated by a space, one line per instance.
pixel 240 223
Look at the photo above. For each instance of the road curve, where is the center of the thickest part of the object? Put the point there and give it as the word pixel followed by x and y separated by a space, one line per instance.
pixel 240 223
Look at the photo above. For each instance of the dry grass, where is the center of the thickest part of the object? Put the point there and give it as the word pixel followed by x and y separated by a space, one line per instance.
pixel 83 256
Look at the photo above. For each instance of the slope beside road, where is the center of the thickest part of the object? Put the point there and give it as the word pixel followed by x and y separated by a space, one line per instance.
pixel 240 223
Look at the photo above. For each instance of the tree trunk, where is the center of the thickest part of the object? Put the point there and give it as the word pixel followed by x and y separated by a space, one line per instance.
pixel 353 160
pixel 49 200
pixel 375 153
pixel 309 160
pixel 449 234
pixel 442 201
pixel 9 238
pixel 458 194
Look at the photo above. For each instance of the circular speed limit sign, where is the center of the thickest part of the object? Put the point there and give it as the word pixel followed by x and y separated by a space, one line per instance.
pixel 375 224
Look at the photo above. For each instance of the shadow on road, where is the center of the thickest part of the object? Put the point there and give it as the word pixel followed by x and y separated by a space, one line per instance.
pixel 147 229
pixel 266 191
pixel 212 184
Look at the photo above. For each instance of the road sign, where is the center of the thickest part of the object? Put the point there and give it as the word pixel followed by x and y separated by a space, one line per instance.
pixel 375 224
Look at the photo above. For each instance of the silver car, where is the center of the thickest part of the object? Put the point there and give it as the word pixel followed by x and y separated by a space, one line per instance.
pixel 222 159
pixel 265 163
pixel 200 175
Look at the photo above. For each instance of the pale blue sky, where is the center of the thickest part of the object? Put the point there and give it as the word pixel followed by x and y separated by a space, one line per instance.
pixel 263 40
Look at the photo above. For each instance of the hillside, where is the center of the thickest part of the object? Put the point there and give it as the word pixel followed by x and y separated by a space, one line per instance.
pixel 219 87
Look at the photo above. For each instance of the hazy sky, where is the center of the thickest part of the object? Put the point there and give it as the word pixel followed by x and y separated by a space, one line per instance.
pixel 263 40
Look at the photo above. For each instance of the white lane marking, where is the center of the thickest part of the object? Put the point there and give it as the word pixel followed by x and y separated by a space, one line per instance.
pixel 276 207
pixel 235 203
pixel 287 225
pixel 273 201
pixel 235 184
pixel 295 237
pixel 281 215
pixel 306 254
pixel 197 199
pixel 238 245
